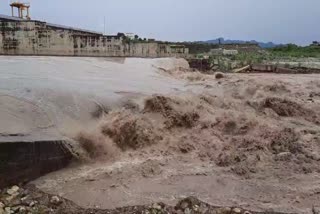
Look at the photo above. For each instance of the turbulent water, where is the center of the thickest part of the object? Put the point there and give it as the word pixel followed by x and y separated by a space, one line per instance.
pixel 52 97
pixel 155 131
pixel 249 140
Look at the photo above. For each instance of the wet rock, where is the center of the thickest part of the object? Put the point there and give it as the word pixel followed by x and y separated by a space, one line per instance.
pixel 11 198
pixel 22 210
pixel 24 198
pixel 25 193
pixel 184 205
pixel 225 210
pixel 15 209
pixel 219 75
pixel 32 203
pixel 8 210
pixel 187 211
pixel 1 211
pixel 55 200
pixel 15 202
pixel 13 190
pixel 236 210
pixel 195 208
pixel 26 201
pixel 2 205
pixel 156 206
pixel 247 212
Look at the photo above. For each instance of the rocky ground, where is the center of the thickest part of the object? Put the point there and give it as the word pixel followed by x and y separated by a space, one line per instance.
pixel 31 200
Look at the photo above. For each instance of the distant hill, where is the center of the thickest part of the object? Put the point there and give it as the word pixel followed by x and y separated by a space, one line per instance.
pixel 228 41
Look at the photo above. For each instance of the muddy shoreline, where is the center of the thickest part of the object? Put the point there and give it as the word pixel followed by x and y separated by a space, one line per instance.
pixel 29 199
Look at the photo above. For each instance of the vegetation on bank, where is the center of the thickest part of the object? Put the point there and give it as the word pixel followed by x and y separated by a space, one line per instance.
pixel 227 63
pixel 292 50
pixel 199 48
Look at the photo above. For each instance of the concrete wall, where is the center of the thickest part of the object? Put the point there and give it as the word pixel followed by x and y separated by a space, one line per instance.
pixel 24 161
pixel 245 47
pixel 25 37
pixel 224 52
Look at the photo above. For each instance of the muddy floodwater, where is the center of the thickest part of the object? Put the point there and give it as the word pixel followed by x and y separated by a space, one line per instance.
pixel 154 131
pixel 52 97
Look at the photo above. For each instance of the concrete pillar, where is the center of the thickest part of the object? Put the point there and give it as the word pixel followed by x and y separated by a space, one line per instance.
pixel 12 12
pixel 28 14
pixel 21 9
pixel 20 12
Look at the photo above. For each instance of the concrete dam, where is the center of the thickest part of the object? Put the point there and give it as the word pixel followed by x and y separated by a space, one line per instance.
pixel 34 153
pixel 45 101
pixel 31 37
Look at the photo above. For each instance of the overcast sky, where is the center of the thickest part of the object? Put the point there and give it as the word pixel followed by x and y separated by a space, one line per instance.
pixel 280 21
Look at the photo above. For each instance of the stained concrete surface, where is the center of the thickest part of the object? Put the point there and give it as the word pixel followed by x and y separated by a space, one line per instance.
pixel 24 161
